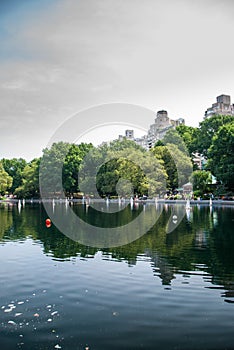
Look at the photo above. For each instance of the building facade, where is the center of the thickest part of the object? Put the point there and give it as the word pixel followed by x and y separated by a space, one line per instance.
pixel 222 106
pixel 157 130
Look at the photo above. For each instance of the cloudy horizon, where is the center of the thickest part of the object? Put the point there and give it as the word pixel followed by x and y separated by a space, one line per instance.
pixel 64 56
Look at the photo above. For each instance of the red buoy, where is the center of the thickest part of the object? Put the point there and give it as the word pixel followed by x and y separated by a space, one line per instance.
pixel 48 222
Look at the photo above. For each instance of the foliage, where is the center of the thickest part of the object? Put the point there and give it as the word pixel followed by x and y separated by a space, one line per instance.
pixel 5 180
pixel 201 180
pixel 14 167
pixel 208 129
pixel 60 166
pixel 190 137
pixel 173 137
pixel 122 168
pixel 125 168
pixel 221 155
pixel 30 180
pixel 162 153
pixel 72 164
pixel 51 167
pixel 177 164
pixel 214 140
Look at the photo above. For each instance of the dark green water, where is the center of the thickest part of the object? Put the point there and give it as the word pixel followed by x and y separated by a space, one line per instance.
pixel 162 291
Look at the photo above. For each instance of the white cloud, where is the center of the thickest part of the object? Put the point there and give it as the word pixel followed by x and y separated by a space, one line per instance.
pixel 175 55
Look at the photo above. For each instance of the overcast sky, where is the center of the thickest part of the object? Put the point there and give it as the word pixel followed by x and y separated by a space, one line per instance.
pixel 58 57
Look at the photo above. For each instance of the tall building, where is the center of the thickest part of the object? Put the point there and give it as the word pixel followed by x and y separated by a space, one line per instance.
pixel 157 130
pixel 129 134
pixel 222 106
pixel 162 124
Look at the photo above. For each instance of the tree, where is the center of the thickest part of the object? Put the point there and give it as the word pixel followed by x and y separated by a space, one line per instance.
pixel 122 168
pixel 221 155
pixel 201 180
pixel 30 181
pixel 189 136
pixel 14 167
pixel 71 166
pixel 51 168
pixel 162 153
pixel 173 137
pixel 183 164
pixel 176 161
pixel 208 129
pixel 5 180
pixel 60 166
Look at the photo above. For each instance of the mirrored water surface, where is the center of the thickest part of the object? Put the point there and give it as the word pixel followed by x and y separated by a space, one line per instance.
pixel 162 291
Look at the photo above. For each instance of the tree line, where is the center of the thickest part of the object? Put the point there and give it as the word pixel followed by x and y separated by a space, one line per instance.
pixel 123 168
pixel 214 139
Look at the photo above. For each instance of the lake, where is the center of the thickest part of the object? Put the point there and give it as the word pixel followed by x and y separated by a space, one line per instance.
pixel 161 291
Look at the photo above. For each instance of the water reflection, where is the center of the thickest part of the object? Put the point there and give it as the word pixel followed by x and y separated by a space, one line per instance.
pixel 203 243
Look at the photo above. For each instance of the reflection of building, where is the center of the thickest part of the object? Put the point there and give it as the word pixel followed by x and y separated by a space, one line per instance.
pixel 157 130
pixel 200 239
pixel 222 106
pixel 162 268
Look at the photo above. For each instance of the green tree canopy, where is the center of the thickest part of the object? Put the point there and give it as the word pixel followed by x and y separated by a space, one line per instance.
pixel 201 179
pixel 189 136
pixel 5 180
pixel 173 137
pixel 162 153
pixel 221 155
pixel 30 181
pixel 172 151
pixel 208 129
pixel 122 168
pixel 14 167
pixel 60 166
pixel 72 165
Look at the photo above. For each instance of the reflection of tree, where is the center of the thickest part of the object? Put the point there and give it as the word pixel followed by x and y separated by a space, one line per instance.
pixel 221 244
pixel 24 224
pixel 163 269
pixel 5 221
pixel 207 241
pixel 61 247
pixel 31 223
pixel 105 219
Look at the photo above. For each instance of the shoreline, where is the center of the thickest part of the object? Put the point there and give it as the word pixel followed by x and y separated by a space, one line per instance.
pixel 218 202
